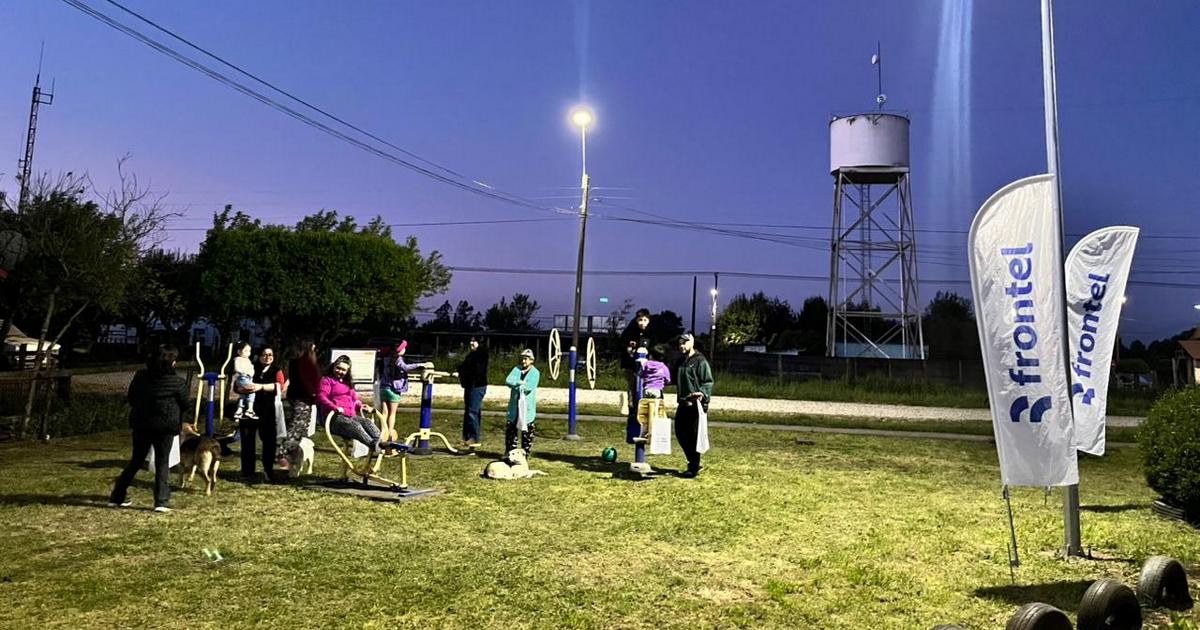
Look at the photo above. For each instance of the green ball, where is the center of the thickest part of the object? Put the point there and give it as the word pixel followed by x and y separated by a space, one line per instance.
pixel 609 455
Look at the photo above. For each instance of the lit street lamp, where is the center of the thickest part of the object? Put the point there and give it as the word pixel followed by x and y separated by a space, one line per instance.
pixel 583 118
pixel 712 344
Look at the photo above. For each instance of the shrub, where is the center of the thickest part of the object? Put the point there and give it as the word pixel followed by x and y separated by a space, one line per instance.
pixel 1169 440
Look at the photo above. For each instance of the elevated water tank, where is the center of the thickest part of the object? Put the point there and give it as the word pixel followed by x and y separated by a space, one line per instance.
pixel 871 140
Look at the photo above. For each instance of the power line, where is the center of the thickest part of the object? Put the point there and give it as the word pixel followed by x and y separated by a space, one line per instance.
pixel 744 274
pixel 475 187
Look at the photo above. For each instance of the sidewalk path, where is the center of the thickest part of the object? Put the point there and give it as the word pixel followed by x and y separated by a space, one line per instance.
pixel 449 396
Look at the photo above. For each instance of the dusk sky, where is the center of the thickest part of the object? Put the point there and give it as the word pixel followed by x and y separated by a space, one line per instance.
pixel 707 112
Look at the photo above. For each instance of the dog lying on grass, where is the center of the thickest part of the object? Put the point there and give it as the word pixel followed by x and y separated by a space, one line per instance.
pixel 513 466
pixel 198 452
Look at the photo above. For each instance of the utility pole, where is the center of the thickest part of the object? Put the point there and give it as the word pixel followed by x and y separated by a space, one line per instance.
pixel 26 164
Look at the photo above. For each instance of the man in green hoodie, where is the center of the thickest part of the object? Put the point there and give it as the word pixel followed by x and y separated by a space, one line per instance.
pixel 694 380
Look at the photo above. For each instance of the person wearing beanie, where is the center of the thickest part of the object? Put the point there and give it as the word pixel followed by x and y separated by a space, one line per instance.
pixel 694 387
pixel 522 404
pixel 393 383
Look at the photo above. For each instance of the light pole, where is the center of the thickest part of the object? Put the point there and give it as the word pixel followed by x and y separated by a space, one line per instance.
pixel 712 350
pixel 581 117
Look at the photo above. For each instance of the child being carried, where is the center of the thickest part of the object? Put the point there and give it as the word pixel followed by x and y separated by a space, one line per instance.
pixel 243 377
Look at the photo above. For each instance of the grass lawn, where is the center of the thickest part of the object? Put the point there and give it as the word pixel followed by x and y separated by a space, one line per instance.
pixel 851 532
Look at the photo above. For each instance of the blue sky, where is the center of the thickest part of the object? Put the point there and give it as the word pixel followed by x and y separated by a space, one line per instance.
pixel 707 111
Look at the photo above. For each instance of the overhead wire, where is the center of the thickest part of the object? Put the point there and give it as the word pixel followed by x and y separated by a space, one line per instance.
pixel 475 187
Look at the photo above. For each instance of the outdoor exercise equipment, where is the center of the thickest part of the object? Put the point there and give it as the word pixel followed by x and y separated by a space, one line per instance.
pixel 1163 582
pixel 369 469
pixel 638 431
pixel 214 383
pixel 554 360
pixel 1109 605
pixel 420 439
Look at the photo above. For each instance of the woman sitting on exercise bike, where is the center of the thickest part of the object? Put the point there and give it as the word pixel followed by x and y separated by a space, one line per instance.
pixel 336 394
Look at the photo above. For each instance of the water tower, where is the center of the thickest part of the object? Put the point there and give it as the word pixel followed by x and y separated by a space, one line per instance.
pixel 873 305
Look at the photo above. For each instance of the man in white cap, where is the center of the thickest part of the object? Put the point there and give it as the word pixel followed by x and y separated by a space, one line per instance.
pixel 694 385
pixel 522 382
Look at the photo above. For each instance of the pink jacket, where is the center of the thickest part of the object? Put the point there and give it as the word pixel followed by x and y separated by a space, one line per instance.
pixel 333 393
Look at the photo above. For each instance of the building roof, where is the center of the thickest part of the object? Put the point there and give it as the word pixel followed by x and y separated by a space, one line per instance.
pixel 1191 347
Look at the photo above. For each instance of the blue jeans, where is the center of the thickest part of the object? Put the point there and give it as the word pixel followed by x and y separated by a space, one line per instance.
pixel 472 404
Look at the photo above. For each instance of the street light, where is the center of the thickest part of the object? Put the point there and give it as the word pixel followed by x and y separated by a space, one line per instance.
pixel 712 349
pixel 583 118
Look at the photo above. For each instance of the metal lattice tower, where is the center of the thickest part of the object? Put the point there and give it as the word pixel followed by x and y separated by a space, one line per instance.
pixel 26 164
pixel 874 308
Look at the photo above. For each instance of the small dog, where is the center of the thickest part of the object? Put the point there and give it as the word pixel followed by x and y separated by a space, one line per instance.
pixel 300 456
pixel 198 452
pixel 514 466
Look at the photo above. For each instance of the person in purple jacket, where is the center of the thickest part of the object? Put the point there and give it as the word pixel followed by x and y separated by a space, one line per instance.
pixel 393 382
pixel 655 374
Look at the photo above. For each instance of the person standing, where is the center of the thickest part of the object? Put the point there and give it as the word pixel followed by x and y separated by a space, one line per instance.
pixel 635 336
pixel 694 383
pixel 266 385
pixel 303 379
pixel 472 374
pixel 393 383
pixel 157 402
pixel 522 382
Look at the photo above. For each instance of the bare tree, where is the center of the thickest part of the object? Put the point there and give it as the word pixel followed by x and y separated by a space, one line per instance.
pixel 81 254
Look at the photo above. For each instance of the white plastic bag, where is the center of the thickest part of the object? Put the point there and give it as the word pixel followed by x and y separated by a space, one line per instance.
pixel 522 422
pixel 280 423
pixel 701 429
pixel 660 435
pixel 173 458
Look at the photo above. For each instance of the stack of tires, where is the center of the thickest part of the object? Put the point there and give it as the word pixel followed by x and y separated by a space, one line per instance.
pixel 1109 604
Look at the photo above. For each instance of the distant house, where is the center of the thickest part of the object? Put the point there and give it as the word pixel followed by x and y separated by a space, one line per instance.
pixel 20 349
pixel 1189 354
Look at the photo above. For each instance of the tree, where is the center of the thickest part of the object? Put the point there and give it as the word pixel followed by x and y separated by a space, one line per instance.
pixel 164 291
pixel 811 326
pixel 327 221
pixel 517 315
pixel 441 319
pixel 949 327
pixel 81 254
pixel 755 318
pixel 665 326
pixel 465 319
pixel 317 278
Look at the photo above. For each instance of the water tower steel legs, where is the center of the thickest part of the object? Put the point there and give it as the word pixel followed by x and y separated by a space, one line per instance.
pixel 873 298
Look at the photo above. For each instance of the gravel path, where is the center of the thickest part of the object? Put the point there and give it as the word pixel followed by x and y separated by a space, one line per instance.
pixel 449 395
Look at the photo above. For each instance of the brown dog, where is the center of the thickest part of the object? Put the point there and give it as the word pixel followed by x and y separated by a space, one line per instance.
pixel 198 451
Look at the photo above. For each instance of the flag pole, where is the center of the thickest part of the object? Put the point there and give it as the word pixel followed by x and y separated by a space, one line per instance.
pixel 1071 529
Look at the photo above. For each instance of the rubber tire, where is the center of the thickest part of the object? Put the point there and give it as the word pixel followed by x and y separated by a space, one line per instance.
pixel 1109 605
pixel 1163 582
pixel 1039 616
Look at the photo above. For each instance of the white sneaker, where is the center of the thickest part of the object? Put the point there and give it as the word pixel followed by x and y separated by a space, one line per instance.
pixel 162 509
pixel 125 503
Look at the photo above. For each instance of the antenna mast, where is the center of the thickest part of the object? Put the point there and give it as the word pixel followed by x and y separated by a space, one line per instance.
pixel 26 164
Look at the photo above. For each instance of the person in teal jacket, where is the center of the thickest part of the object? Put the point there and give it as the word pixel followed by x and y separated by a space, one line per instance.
pixel 522 382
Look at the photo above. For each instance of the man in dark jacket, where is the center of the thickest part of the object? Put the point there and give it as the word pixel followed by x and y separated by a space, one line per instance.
pixel 473 374
pixel 694 382
pixel 157 400
pixel 635 336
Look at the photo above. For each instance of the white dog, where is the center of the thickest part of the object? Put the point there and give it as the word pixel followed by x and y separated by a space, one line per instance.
pixel 300 456
pixel 514 466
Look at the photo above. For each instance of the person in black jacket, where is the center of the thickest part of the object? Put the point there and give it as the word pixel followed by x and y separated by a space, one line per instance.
pixel 472 374
pixel 636 335
pixel 267 384
pixel 157 400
